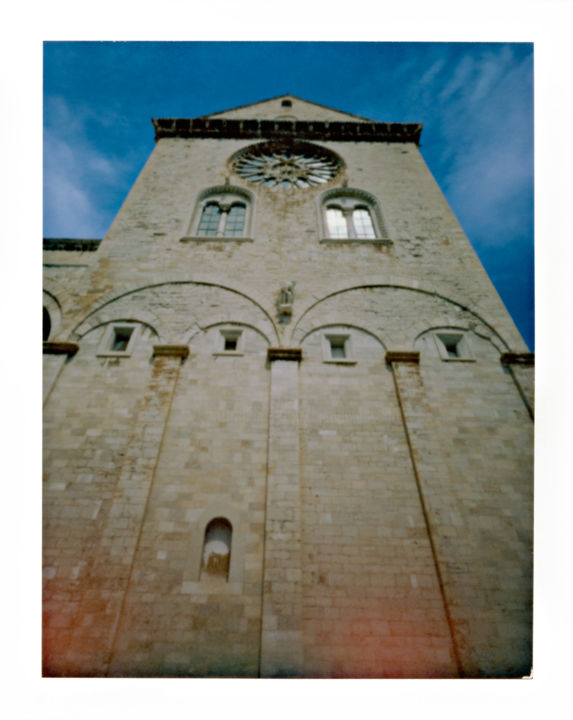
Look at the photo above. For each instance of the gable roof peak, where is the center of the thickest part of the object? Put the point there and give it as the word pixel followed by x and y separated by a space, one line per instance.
pixel 298 107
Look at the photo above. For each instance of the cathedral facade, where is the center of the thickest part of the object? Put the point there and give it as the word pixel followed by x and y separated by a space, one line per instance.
pixel 288 420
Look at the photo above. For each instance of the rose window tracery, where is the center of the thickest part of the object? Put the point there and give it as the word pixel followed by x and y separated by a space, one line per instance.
pixel 286 166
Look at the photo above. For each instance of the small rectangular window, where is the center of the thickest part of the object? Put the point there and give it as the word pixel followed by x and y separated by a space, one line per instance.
pixel 231 344
pixel 231 341
pixel 121 338
pixel 118 340
pixel 337 347
pixel 453 346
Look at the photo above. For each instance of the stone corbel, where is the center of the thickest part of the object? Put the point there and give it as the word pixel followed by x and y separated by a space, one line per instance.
pixel 402 356
pixel 511 358
pixel 181 351
pixel 284 354
pixel 60 348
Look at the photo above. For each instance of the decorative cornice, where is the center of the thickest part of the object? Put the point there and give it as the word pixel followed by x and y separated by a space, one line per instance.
pixel 284 354
pixel 286 129
pixel 60 348
pixel 72 244
pixel 181 351
pixel 510 358
pixel 402 356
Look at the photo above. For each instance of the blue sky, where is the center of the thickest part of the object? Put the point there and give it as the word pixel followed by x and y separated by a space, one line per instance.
pixel 474 99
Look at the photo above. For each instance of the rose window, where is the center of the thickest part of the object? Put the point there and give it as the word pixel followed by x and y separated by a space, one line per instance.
pixel 289 166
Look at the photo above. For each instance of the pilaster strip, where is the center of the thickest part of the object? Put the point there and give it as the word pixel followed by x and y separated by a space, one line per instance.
pixel 109 577
pixel 403 365
pixel 281 653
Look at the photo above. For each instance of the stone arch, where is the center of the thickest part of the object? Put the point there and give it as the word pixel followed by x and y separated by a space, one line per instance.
pixel 371 306
pixel 53 309
pixel 345 325
pixel 105 318
pixel 57 291
pixel 192 332
pixel 117 319
pixel 475 328
pixel 226 189
pixel 177 309
pixel 342 343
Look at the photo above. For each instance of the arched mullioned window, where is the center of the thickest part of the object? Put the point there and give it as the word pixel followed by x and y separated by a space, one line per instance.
pixel 223 212
pixel 216 557
pixel 351 215
pixel 353 222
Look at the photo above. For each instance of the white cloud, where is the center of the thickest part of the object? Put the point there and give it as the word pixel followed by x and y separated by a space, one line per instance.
pixel 73 171
pixel 432 72
pixel 487 130
pixel 490 69
pixel 459 80
pixel 69 210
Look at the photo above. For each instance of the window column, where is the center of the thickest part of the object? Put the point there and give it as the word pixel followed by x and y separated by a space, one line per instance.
pixel 225 209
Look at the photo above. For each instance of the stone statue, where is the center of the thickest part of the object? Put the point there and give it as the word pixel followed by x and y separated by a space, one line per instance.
pixel 286 299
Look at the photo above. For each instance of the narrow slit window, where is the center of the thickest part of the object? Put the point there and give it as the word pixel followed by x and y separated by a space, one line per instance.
pixel 121 337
